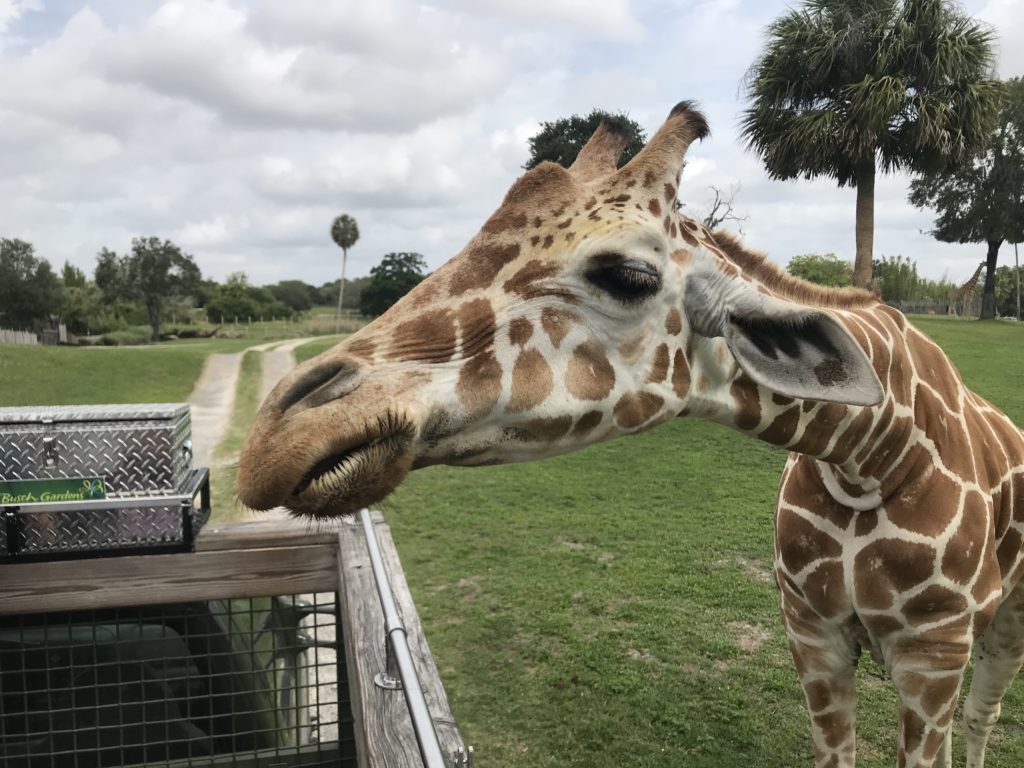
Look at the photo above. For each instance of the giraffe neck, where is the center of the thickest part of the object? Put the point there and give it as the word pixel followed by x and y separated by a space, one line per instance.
pixel 862 451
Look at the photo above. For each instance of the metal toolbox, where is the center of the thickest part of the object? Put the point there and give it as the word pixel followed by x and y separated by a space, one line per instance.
pixel 134 462
pixel 136 449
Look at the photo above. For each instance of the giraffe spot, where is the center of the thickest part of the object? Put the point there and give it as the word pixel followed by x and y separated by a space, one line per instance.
pixel 851 437
pixel 748 403
pixel 564 224
pixel 673 322
pixel 926 501
pixel 1009 549
pixel 593 215
pixel 836 727
pixel 781 399
pixel 825 589
pixel 913 730
pixel 932 365
pixel 429 338
pixel 535 240
pixel 531 381
pixel 479 384
pixel 590 203
pixel 570 236
pixel 783 427
pixel 363 347
pixel 681 256
pixel 548 241
pixel 890 566
pixel 660 365
pixel 635 408
pixel 423 294
pixel 945 429
pixel 541 430
pixel 989 576
pixel 556 212
pixel 881 424
pixel 586 424
pixel 801 543
pixel 803 487
pixel 934 604
pixel 882 625
pixel 649 178
pixel 479 266
pixel 589 375
pixel 865 522
pixel 557 323
pixel 503 220
pixel 670 192
pixel 476 325
pixel 680 374
pixel 907 477
pixel 623 198
pixel 524 282
pixel 672 230
pixel 519 331
pixel 689 238
pixel 537 222
pixel 631 349
pixel 667 223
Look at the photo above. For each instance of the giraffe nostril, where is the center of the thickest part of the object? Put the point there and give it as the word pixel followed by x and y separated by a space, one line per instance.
pixel 327 381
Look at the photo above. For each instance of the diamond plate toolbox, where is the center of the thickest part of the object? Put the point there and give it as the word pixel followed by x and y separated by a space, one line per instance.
pixel 143 453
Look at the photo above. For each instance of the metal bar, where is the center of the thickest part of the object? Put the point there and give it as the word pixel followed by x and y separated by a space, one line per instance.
pixel 422 723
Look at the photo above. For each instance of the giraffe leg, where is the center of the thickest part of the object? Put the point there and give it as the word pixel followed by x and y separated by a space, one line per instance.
pixel 826 660
pixel 927 673
pixel 999 658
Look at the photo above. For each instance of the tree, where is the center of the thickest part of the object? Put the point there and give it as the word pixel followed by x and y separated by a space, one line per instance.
pixel 151 273
pixel 72 276
pixel 395 276
pixel 236 298
pixel 297 295
pixel 345 233
pixel 983 202
pixel 721 210
pixel 844 86
pixel 561 140
pixel 29 291
pixel 823 269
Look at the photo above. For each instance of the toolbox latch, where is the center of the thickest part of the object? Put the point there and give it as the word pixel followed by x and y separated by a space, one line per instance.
pixel 51 452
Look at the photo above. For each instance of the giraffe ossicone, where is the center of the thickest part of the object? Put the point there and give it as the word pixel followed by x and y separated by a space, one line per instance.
pixel 586 308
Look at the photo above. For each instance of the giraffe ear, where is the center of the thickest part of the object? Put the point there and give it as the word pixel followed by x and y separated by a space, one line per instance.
pixel 795 350
pixel 803 354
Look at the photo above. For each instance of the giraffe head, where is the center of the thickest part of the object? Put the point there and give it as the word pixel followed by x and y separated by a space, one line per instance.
pixel 585 308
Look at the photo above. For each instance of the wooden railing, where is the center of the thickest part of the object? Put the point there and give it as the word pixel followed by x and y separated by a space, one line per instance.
pixel 260 559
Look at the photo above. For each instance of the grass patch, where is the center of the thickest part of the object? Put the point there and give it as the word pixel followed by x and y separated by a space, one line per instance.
pixel 225 456
pixel 313 348
pixel 614 606
pixel 161 373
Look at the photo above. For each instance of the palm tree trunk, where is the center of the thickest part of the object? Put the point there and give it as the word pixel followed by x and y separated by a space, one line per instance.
pixel 865 229
pixel 341 291
pixel 988 295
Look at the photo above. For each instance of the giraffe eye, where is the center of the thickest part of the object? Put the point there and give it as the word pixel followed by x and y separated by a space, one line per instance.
pixel 627 280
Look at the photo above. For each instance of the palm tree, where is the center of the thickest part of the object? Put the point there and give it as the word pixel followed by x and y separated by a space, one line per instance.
pixel 845 85
pixel 344 233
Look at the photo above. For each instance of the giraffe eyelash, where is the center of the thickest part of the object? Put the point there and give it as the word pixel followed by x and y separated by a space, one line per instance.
pixel 629 281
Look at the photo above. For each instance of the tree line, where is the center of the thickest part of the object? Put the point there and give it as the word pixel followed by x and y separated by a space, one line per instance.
pixel 155 282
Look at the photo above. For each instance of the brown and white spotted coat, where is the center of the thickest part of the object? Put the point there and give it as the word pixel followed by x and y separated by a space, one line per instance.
pixel 587 308
pixel 960 298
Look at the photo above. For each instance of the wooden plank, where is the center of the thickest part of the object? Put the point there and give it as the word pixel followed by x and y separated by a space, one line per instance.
pixel 260 534
pixel 384 732
pixel 157 579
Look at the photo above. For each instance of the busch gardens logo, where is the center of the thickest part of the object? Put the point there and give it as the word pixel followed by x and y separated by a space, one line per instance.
pixel 51 490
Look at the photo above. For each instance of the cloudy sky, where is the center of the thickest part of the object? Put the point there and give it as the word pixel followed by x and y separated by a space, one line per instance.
pixel 239 128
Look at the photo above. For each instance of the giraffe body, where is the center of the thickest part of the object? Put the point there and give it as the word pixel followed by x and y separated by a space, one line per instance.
pixel 960 298
pixel 585 309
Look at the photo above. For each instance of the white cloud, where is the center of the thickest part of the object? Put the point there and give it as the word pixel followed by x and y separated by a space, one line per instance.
pixel 1007 18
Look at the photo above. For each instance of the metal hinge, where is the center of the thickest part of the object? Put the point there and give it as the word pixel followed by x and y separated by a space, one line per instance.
pixel 463 758
pixel 51 454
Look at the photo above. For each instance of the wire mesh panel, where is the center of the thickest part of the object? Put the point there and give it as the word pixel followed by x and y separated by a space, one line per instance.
pixel 242 682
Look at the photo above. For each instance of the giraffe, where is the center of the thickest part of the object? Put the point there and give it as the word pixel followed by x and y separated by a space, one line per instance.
pixel 959 298
pixel 587 308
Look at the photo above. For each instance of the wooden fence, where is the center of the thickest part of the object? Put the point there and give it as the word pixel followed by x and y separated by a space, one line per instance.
pixel 8 336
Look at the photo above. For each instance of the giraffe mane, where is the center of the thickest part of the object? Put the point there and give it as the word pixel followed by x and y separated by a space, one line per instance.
pixel 757 266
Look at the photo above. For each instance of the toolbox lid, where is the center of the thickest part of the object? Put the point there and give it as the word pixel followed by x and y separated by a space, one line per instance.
pixel 58 414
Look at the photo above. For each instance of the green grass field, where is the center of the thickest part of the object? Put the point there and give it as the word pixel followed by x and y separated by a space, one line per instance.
pixel 611 607
pixel 38 375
